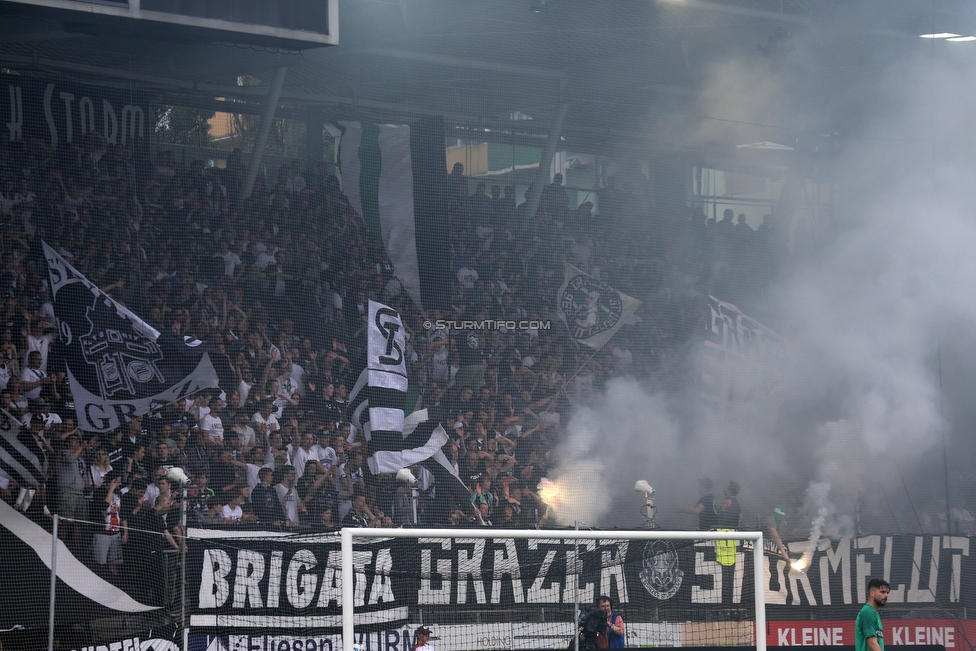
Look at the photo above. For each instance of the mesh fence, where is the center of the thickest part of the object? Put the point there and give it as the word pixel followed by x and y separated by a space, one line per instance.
pixel 572 321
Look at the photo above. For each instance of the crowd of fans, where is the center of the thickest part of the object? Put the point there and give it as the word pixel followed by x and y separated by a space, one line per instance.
pixel 279 281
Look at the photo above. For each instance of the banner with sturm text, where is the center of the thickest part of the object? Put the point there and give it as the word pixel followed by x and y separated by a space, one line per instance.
pixel 294 581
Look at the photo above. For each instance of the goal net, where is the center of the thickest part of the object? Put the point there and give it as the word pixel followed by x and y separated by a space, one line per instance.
pixel 494 589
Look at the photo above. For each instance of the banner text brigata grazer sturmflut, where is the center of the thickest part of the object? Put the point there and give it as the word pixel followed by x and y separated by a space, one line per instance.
pixel 274 581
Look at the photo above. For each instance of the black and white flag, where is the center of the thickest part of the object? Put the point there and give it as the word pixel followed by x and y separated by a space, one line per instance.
pixel 81 595
pixel 20 459
pixel 119 366
pixel 377 401
pixel 591 309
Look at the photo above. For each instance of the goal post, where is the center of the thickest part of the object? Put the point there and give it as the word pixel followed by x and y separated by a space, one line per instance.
pixel 674 539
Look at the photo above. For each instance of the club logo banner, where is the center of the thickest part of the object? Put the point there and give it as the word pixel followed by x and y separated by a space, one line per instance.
pixel 280 582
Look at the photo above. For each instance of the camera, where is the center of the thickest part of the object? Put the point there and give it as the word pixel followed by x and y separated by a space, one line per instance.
pixel 592 623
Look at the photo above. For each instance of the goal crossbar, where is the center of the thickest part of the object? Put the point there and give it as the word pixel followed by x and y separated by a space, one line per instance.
pixel 347 534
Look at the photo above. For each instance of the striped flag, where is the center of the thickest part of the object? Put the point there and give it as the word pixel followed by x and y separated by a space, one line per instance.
pixel 377 400
pixel 18 458
pixel 395 178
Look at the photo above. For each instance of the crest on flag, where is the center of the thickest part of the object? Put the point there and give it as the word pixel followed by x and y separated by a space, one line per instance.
pixel 591 309
pixel 118 366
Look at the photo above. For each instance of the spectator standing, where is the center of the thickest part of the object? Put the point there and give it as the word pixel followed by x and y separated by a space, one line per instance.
pixel 110 536
pixel 291 503
pixel 264 500
pixel 100 467
pixel 705 507
pixel 72 484
pixel 730 515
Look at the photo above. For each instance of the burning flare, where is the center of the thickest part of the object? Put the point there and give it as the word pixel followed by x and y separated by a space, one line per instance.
pixel 548 492
pixel 817 493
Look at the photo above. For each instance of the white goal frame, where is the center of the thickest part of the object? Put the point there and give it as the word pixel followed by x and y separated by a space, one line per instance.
pixel 347 535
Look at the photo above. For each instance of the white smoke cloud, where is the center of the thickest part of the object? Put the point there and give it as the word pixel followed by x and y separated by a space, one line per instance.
pixel 871 305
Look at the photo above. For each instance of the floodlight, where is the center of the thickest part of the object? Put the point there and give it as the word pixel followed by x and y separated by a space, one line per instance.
pixel 643 487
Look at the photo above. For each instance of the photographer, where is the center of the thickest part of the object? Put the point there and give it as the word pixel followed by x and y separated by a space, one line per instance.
pixel 612 635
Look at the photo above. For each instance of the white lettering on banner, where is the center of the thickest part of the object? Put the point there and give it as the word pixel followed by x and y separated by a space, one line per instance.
pixel 110 124
pixel 896 595
pixel 810 636
pixel 428 594
pixel 86 113
pixel 16 124
pixel 250 571
pixel 452 638
pixel 60 116
pixel 777 598
pixel 612 569
pixel 135 644
pixel 912 635
pixel 300 584
pixel 214 588
pixel 574 565
pixel 537 594
pixel 798 579
pixel 921 595
pixel 835 558
pixel 382 588
pixel 469 567
pixel 740 576
pixel 301 579
pixel 713 595
pixel 960 543
pixel 862 566
pixel 274 579
pixel 67 98
pixel 130 114
pixel 49 115
pixel 506 563
pixel 331 591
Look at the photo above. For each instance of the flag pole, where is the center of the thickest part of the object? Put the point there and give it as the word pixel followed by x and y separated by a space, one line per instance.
pixel 54 584
pixel 562 389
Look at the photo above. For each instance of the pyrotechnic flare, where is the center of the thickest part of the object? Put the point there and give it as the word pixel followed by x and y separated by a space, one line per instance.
pixel 818 494
pixel 548 492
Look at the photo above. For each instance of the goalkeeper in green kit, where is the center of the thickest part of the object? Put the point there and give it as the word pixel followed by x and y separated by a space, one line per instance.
pixel 868 632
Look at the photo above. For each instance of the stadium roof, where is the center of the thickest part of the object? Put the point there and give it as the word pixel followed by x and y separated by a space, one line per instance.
pixel 626 69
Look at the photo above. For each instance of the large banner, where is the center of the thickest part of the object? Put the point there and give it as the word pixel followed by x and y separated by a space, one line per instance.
pixel 61 113
pixel 743 363
pixel 286 581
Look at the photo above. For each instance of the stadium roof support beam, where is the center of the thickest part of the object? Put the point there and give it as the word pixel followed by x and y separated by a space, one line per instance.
pixel 546 161
pixel 274 94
